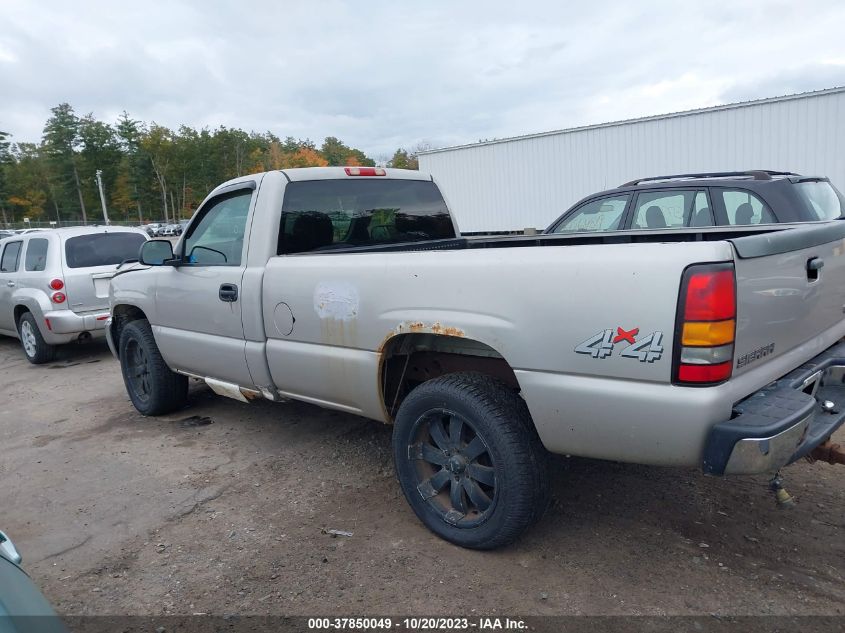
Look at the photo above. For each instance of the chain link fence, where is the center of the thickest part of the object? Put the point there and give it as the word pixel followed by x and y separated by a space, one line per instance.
pixel 52 224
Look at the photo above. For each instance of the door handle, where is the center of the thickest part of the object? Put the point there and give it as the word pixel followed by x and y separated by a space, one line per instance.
pixel 228 293
pixel 11 284
pixel 814 265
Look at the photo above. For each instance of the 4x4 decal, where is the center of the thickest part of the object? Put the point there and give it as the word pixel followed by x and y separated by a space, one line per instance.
pixel 601 344
pixel 598 346
pixel 626 335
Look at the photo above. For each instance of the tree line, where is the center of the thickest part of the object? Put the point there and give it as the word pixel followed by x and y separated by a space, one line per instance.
pixel 149 172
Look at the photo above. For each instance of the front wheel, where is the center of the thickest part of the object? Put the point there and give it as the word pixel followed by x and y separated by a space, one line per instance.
pixel 469 460
pixel 37 350
pixel 153 388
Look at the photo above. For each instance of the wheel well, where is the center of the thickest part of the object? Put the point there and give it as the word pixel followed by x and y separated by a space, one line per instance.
pixel 19 312
pixel 121 316
pixel 408 360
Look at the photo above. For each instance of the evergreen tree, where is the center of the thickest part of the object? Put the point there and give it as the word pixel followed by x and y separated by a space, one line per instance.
pixel 61 141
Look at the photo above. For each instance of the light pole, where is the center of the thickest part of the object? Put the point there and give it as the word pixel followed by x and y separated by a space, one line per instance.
pixel 102 195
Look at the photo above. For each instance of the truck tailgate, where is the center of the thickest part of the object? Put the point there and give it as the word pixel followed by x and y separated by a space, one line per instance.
pixel 790 289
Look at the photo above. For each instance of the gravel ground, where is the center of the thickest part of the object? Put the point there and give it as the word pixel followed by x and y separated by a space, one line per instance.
pixel 120 514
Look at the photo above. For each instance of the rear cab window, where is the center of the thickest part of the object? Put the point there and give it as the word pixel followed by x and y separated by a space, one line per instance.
pixel 336 214
pixel 102 249
pixel 604 214
pixel 11 257
pixel 35 259
pixel 672 209
pixel 743 207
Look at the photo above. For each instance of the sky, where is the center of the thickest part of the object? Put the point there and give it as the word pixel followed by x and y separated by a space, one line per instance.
pixel 381 75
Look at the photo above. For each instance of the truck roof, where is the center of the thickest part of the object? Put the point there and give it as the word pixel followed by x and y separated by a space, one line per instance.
pixel 297 174
pixel 332 173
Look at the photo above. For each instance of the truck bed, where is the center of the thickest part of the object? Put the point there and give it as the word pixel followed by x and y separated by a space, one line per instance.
pixel 692 234
pixel 535 308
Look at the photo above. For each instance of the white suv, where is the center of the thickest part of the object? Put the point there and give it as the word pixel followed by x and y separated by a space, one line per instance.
pixel 54 285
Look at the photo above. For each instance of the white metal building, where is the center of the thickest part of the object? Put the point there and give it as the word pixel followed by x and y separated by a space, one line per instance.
pixel 527 181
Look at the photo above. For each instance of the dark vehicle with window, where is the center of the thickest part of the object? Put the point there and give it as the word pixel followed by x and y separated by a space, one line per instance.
pixel 702 200
pixel 54 284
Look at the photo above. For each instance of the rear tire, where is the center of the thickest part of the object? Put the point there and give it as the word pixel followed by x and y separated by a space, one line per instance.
pixel 153 388
pixel 469 460
pixel 35 348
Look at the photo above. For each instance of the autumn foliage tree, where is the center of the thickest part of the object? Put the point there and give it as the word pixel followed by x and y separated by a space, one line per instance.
pixel 338 154
pixel 150 172
pixel 407 159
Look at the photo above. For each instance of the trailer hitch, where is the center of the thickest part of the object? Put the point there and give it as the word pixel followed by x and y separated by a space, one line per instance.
pixel 782 497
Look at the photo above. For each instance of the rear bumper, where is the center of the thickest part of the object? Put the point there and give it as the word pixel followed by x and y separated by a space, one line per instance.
pixel 64 322
pixel 782 422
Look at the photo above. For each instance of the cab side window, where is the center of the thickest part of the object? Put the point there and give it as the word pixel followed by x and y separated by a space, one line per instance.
pixel 11 255
pixel 672 209
pixel 702 214
pixel 743 207
pixel 604 214
pixel 36 255
pixel 218 238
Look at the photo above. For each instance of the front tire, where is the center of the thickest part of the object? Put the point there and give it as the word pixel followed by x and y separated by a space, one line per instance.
pixel 469 460
pixel 36 349
pixel 153 388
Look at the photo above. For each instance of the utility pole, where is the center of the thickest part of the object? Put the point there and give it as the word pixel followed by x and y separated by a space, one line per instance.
pixel 102 195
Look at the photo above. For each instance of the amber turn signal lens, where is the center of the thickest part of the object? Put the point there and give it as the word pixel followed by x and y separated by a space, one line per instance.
pixel 708 333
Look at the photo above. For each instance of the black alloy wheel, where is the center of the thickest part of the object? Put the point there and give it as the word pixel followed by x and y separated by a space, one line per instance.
pixel 455 472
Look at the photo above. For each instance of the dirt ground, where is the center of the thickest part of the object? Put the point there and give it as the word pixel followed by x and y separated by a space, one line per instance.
pixel 119 514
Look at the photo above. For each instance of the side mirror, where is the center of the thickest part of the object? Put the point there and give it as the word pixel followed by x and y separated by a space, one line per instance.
pixel 156 252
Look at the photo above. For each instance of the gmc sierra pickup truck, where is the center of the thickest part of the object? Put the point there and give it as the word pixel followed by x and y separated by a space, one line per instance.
pixel 351 288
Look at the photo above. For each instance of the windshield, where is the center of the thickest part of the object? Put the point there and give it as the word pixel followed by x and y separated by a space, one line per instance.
pixel 822 200
pixel 102 249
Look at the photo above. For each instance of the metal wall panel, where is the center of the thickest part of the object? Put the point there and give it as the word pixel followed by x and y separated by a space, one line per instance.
pixel 528 181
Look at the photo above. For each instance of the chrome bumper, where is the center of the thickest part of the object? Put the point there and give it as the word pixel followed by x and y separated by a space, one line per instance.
pixel 767 454
pixel 782 422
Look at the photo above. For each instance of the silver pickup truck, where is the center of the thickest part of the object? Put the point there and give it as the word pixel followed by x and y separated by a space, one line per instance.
pixel 351 288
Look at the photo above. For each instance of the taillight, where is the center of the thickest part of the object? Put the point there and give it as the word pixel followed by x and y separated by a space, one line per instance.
pixel 364 171
pixel 58 297
pixel 57 284
pixel 706 326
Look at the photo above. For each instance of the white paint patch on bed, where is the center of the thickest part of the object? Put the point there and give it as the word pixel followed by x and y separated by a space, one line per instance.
pixel 336 300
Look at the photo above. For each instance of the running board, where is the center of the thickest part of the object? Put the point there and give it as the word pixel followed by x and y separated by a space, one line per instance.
pixel 236 392
pixel 231 390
